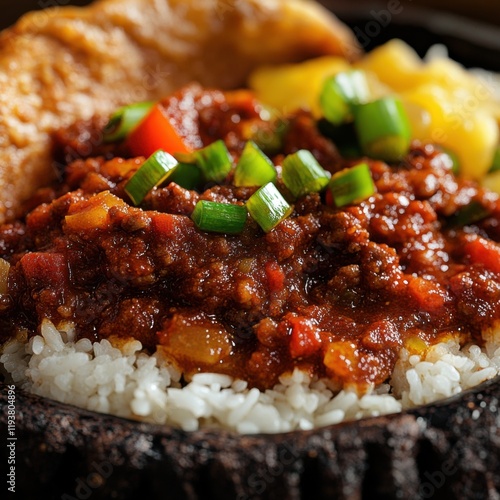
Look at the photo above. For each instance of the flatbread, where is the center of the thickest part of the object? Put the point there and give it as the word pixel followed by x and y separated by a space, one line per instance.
pixel 64 64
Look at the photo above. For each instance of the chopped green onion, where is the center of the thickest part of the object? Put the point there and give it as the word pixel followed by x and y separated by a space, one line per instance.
pixel 187 176
pixel 219 217
pixel 352 185
pixel 254 168
pixel 469 214
pixel 154 171
pixel 302 174
pixel 383 128
pixel 343 136
pixel 268 207
pixel 496 161
pixel 341 92
pixel 186 158
pixel 455 163
pixel 214 161
pixel 269 136
pixel 124 120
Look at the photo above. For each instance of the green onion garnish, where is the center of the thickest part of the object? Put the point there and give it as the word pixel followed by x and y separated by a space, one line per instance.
pixel 268 207
pixel 270 138
pixel 214 161
pixel 187 176
pixel 219 217
pixel 496 161
pixel 254 168
pixel 352 185
pixel 383 128
pixel 455 162
pixel 155 170
pixel 467 215
pixel 341 92
pixel 302 174
pixel 343 136
pixel 124 120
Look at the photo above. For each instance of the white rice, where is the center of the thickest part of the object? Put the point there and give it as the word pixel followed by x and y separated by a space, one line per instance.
pixel 128 383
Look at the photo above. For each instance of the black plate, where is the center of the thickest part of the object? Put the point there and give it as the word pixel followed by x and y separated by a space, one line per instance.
pixel 447 450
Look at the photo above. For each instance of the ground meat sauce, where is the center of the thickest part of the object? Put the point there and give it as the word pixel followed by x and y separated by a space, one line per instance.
pixel 337 292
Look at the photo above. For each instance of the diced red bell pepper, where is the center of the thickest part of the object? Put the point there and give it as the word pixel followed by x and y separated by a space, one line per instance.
pixel 156 131
pixel 484 252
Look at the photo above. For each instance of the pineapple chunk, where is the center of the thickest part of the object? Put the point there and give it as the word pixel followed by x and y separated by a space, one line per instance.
pixel 293 86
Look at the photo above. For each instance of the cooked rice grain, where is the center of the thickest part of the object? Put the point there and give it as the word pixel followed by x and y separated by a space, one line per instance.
pixel 128 383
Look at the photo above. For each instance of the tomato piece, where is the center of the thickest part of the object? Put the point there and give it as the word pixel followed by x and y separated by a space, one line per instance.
pixel 427 295
pixel 156 131
pixel 45 270
pixel 275 277
pixel 484 252
pixel 305 339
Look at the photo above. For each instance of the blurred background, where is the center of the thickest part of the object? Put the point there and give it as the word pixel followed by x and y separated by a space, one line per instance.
pixel 484 10
pixel 469 28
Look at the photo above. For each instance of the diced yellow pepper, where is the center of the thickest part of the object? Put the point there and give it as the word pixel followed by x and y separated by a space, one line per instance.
pixel 93 215
pixel 415 345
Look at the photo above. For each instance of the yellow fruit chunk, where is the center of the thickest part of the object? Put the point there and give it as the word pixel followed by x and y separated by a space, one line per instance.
pixel 474 143
pixel 395 64
pixel 447 74
pixel 293 86
pixel 458 121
